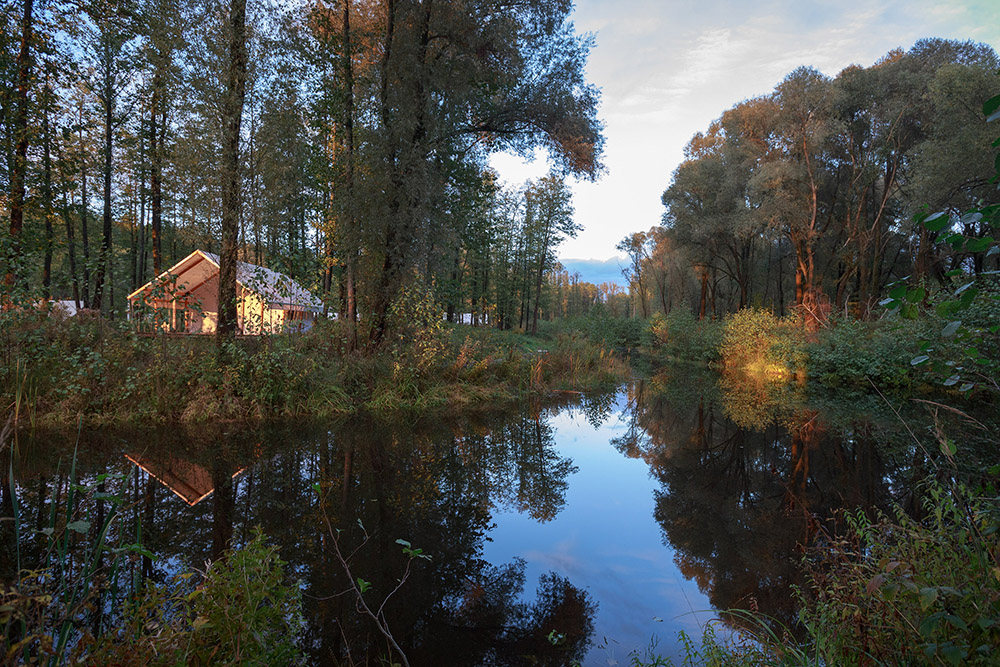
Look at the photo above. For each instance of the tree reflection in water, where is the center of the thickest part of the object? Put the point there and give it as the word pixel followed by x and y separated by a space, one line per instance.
pixel 435 485
pixel 745 474
pixel 750 471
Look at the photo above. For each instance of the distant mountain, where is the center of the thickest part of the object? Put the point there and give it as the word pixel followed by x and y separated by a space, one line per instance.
pixel 597 271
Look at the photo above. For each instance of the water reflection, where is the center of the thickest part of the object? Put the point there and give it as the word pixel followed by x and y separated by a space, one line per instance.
pixel 741 475
pixel 189 481
pixel 750 472
pixel 434 484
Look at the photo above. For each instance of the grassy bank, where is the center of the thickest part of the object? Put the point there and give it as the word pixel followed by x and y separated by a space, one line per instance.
pixel 55 372
pixel 846 353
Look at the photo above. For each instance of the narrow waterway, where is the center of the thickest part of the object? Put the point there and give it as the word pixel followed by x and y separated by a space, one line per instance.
pixel 587 527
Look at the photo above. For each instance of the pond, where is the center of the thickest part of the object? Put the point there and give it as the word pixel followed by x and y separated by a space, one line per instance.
pixel 584 526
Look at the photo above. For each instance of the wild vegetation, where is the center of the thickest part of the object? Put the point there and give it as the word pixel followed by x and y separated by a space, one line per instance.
pixel 840 229
pixel 59 372
pixel 344 144
pixel 920 584
pixel 813 197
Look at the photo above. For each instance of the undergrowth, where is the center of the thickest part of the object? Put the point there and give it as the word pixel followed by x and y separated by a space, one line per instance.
pixel 61 370
pixel 893 590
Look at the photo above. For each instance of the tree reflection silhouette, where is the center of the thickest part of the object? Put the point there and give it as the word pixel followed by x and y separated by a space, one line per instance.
pixel 739 498
pixel 434 484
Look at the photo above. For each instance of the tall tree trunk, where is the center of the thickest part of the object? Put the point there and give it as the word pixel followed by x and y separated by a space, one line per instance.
pixel 141 268
pixel 703 298
pixel 232 116
pixel 405 207
pixel 47 196
pixel 538 286
pixel 104 258
pixel 390 22
pixel 133 231
pixel 156 169
pixel 84 208
pixel 781 282
pixel 70 236
pixel 20 164
pixel 348 122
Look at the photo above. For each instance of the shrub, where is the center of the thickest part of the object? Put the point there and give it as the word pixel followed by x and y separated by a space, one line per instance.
pixel 850 353
pixel 678 334
pixel 754 339
pixel 903 591
pixel 600 327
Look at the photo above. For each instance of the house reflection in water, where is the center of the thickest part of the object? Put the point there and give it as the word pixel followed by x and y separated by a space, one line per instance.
pixel 189 481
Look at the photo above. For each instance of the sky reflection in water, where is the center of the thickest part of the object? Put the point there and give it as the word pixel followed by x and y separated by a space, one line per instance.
pixel 679 495
pixel 605 540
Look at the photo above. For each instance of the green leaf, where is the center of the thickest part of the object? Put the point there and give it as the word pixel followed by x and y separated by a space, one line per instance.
pixel 79 526
pixel 930 624
pixel 953 380
pixel 404 543
pixel 141 550
pixel 991 108
pixel 948 448
pixel 953 654
pixel 916 295
pixel 927 597
pixel 898 292
pixel 946 308
pixel 890 591
pixel 950 328
pixel 937 221
pixel 957 622
pixel 916 361
pixel 966 387
pixel 979 245
pixel 909 311
pixel 968 296
pixel 363 585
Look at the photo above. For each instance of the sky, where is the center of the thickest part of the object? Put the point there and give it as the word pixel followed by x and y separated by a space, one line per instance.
pixel 668 68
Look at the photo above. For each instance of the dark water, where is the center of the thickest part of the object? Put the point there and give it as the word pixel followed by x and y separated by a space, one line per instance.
pixel 612 520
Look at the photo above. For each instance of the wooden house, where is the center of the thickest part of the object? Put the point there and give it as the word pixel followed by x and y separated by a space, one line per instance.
pixel 185 299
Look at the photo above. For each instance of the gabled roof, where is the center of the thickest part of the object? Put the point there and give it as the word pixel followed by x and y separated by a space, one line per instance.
pixel 189 481
pixel 276 288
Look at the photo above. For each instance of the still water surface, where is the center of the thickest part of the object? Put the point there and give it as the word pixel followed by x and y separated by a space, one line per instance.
pixel 614 520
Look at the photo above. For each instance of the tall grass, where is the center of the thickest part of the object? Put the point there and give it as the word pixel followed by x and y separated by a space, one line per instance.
pixel 53 612
pixel 109 374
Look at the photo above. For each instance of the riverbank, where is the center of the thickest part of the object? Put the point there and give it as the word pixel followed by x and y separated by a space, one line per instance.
pixel 890 354
pixel 57 373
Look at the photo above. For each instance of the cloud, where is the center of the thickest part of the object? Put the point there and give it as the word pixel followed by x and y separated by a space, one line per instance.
pixel 668 69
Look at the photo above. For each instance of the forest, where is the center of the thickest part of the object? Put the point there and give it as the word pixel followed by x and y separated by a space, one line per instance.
pixel 812 197
pixel 344 144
